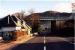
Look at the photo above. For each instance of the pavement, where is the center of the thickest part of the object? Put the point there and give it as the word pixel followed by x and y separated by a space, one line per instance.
pixel 23 39
pixel 7 45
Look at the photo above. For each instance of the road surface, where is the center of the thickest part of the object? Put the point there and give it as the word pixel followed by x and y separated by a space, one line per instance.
pixel 45 43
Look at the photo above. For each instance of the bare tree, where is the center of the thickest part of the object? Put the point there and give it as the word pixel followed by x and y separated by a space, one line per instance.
pixel 22 14
pixel 31 11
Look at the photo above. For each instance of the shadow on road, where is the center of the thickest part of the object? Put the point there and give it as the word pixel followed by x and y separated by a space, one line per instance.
pixel 59 46
pixel 29 46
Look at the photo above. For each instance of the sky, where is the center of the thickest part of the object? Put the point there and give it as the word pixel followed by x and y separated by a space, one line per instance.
pixel 13 6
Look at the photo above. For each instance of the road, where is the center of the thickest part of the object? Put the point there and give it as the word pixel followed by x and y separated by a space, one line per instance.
pixel 45 43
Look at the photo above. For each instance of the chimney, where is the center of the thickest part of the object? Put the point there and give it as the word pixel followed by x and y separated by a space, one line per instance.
pixel 8 19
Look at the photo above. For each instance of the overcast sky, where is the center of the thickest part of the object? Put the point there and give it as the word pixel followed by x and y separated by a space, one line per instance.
pixel 12 6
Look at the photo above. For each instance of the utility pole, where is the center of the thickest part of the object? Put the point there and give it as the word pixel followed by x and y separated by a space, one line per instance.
pixel 73 13
pixel 73 7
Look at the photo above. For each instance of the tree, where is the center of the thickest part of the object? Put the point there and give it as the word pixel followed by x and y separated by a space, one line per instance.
pixel 35 22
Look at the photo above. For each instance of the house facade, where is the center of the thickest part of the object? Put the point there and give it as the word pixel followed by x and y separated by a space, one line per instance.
pixel 11 24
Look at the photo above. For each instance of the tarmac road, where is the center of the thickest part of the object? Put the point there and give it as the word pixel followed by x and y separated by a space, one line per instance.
pixel 45 43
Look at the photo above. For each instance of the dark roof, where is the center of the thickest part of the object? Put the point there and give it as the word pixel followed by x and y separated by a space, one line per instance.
pixel 4 21
pixel 52 14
